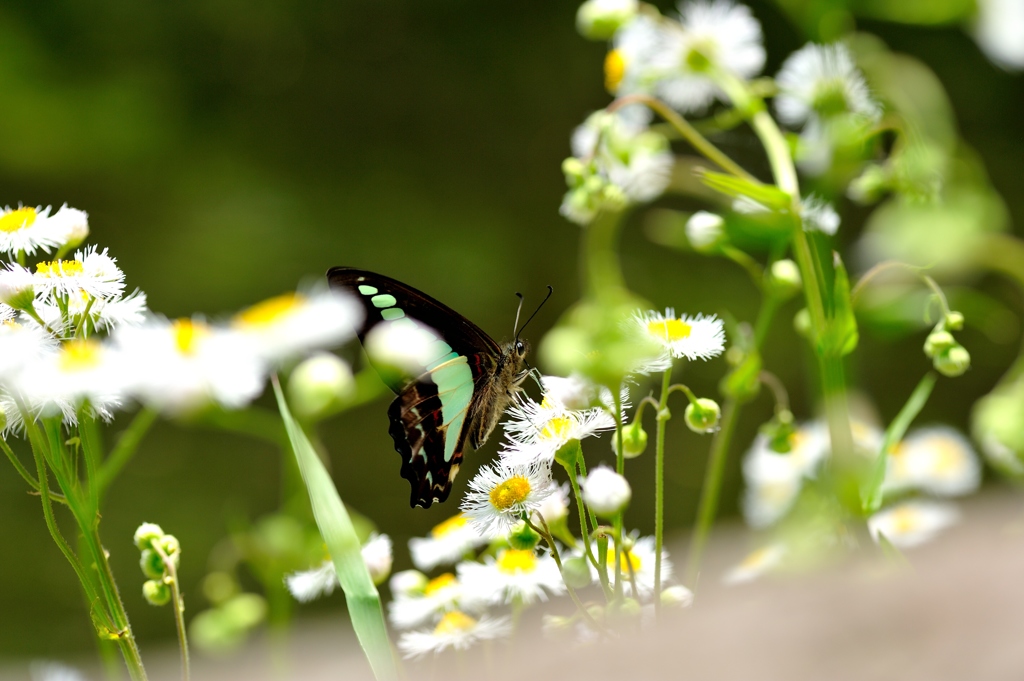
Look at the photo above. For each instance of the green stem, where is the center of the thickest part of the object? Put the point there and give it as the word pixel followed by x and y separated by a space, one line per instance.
pixel 620 468
pixel 659 483
pixel 546 534
pixel 124 449
pixel 710 491
pixel 22 471
pixel 602 574
pixel 601 259
pixel 179 609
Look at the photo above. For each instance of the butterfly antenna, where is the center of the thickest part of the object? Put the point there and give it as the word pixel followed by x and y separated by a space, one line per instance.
pixel 550 291
pixel 518 310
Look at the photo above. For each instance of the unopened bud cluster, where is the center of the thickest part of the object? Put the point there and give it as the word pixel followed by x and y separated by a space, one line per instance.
pixel 156 546
pixel 702 416
pixel 947 355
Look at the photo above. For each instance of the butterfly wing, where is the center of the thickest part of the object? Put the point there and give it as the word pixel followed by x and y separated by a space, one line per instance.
pixel 432 412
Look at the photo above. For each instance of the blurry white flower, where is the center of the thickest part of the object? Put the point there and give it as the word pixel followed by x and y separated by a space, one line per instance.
pixel 26 230
pixel 78 371
pixel 704 230
pixel 70 225
pixel 455 630
pixel 554 507
pixel 599 19
pixel 818 215
pixel 54 671
pixel 501 493
pixel 538 430
pixel 405 345
pixel 573 393
pixel 319 382
pixel 912 522
pixel 91 271
pixel 938 460
pixel 447 544
pixel 637 565
pixel 677 595
pixel 17 287
pixel 773 480
pixel 755 564
pixel 440 595
pixel 998 30
pixel 7 313
pixel 700 337
pixel 184 365
pixel 311 584
pixel 294 324
pixel 520 576
pixel 407 583
pixel 22 345
pixel 376 554
pixel 605 491
pixel 101 313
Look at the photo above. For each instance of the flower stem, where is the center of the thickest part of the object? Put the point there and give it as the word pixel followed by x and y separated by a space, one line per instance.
pixel 22 471
pixel 124 449
pixel 602 271
pixel 620 468
pixel 546 534
pixel 585 532
pixel 710 491
pixel 659 483
pixel 179 609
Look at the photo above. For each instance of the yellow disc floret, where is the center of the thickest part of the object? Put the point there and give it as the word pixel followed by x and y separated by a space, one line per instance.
pixel 271 310
pixel 669 329
pixel 630 561
pixel 512 561
pixel 455 622
pixel 440 582
pixel 79 355
pixel 453 524
pixel 614 70
pixel 53 269
pixel 557 428
pixel 18 219
pixel 510 492
pixel 188 334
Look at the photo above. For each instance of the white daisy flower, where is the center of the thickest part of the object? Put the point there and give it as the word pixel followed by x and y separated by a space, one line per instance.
pixel 70 225
pixel 704 230
pixel 773 480
pixel 320 581
pixel 515 576
pixel 538 430
pixel 294 324
pixel 78 371
pixel 26 230
pixel 605 491
pixel 637 565
pixel 54 671
pixel 501 493
pixel 377 555
pixel 998 30
pixel 91 271
pixel 755 564
pixel 938 460
pixel 182 366
pixel 573 393
pixel 455 630
pixel 21 345
pixel 912 523
pixel 17 288
pixel 819 216
pixel 700 337
pixel 7 313
pixel 408 583
pixel 103 314
pixel 442 594
pixel 448 543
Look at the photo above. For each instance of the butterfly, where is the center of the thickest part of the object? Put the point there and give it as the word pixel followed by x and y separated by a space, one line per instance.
pixel 459 390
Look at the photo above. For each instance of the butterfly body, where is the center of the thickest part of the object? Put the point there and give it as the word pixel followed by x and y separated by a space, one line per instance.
pixel 456 395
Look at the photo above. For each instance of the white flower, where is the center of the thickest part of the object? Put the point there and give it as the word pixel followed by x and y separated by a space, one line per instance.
pixel 91 272
pixel 311 584
pixel 818 215
pixel 78 371
pixel 774 480
pixel 573 393
pixel 501 493
pixel 637 565
pixel 938 460
pixel 755 564
pixel 448 543
pixel 318 382
pixel 408 583
pixel 704 229
pixel 515 576
pixel 913 522
pixel 599 19
pixel 376 554
pixel 605 491
pixel 22 345
pixel 440 595
pixel 700 337
pixel 555 507
pixel 538 430
pixel 7 313
pixel 455 630
pixel 294 324
pixel 182 366
pixel 70 225
pixel 25 230
pixel 103 313
pixel 54 671
pixel 677 595
pixel 998 30
pixel 17 287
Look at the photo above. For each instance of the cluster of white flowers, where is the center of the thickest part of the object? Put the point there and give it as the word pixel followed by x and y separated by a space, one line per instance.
pixel 71 338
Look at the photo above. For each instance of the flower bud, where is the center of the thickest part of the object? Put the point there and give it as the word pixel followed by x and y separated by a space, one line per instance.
pixel 171 547
pixel 938 342
pixel 953 362
pixel 577 572
pixel 779 432
pixel 870 185
pixel 785 279
pixel 954 320
pixel 802 323
pixel 600 19
pixel 146 533
pixel 318 383
pixel 702 416
pixel 629 607
pixel 634 440
pixel 73 225
pixel 606 492
pixel 705 231
pixel 3 419
pixel 377 555
pixel 574 170
pixel 17 288
pixel 156 593
pixel 522 537
pixel 152 564
pixel 677 596
pixel 408 583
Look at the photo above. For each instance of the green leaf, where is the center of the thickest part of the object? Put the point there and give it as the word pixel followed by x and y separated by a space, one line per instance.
pixel 844 323
pixel 871 492
pixel 339 534
pixel 767 195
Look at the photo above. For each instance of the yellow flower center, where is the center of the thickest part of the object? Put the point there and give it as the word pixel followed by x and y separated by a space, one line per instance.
pixel 557 428
pixel 614 70
pixel 271 310
pixel 440 582
pixel 669 329
pixel 512 561
pixel 79 355
pixel 947 457
pixel 188 334
pixel 59 268
pixel 630 561
pixel 453 524
pixel 510 492
pixel 905 520
pixel 16 220
pixel 756 559
pixel 455 622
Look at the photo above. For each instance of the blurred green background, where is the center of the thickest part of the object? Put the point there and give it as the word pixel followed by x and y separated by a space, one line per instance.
pixel 227 150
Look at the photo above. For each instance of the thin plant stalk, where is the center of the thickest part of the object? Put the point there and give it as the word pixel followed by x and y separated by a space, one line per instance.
pixel 179 609
pixel 659 483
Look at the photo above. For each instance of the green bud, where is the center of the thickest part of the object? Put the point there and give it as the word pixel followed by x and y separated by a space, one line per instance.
pixel 802 323
pixel 785 281
pixel 574 170
pixel 171 547
pixel 954 321
pixel 677 596
pixel 938 342
pixel 319 383
pixel 219 586
pixel 953 362
pixel 702 416
pixel 779 432
pixel 600 19
pixel 634 440
pixel 3 419
pixel 705 231
pixel 629 607
pixel 870 186
pixel 152 564
pixel 577 572
pixel 17 289
pixel 146 533
pixel 522 537
pixel 156 592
